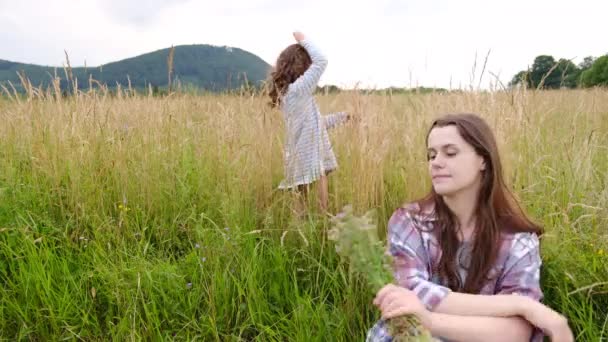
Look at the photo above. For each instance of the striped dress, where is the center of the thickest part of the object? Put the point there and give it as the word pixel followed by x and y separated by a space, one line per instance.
pixel 307 153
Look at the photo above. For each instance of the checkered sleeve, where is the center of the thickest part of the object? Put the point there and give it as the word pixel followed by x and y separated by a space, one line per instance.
pixel 411 259
pixel 521 275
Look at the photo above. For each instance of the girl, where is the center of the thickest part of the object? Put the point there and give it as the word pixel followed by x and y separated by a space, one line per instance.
pixel 308 153
pixel 464 251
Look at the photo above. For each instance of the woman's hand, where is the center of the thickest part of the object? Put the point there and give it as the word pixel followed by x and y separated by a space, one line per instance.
pixel 550 322
pixel 394 301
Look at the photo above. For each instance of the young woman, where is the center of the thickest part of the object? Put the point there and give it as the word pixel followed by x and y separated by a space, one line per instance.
pixel 467 259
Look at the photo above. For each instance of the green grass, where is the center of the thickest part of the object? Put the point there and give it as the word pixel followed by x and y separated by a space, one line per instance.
pixel 158 218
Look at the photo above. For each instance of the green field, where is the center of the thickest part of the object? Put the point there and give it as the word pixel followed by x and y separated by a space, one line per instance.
pixel 147 218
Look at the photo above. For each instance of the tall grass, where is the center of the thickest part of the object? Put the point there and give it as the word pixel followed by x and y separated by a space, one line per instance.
pixel 135 217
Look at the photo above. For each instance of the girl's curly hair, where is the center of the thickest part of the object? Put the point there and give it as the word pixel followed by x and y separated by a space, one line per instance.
pixel 291 64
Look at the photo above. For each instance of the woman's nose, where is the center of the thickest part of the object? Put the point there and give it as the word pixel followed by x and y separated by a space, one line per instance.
pixel 437 162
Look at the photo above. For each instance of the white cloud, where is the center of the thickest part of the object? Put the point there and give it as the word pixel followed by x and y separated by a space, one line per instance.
pixel 137 13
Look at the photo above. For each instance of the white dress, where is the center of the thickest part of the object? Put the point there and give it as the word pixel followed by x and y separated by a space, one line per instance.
pixel 308 153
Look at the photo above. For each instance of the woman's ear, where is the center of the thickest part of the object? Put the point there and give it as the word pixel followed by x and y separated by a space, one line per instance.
pixel 482 167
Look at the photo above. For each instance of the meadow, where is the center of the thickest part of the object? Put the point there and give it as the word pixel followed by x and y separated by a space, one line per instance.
pixel 132 217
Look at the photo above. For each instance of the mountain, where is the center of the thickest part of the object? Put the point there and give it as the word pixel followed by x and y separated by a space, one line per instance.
pixel 206 67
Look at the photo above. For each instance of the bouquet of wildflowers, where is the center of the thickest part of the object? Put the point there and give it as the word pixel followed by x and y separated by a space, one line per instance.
pixel 357 242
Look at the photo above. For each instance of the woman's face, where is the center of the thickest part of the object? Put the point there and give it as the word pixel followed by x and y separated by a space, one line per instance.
pixel 454 165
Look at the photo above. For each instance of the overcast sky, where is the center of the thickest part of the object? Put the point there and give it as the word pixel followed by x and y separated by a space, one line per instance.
pixel 376 42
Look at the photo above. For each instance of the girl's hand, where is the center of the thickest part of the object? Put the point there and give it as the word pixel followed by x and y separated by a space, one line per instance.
pixel 394 301
pixel 299 36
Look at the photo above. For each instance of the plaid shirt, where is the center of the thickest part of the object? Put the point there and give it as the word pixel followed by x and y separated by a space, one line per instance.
pixel 415 250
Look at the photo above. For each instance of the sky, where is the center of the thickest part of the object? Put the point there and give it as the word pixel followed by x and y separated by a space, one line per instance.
pixel 369 43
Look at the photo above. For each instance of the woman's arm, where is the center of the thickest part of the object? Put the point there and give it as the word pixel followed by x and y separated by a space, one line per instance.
pixel 465 304
pixel 478 328
pixel 395 301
